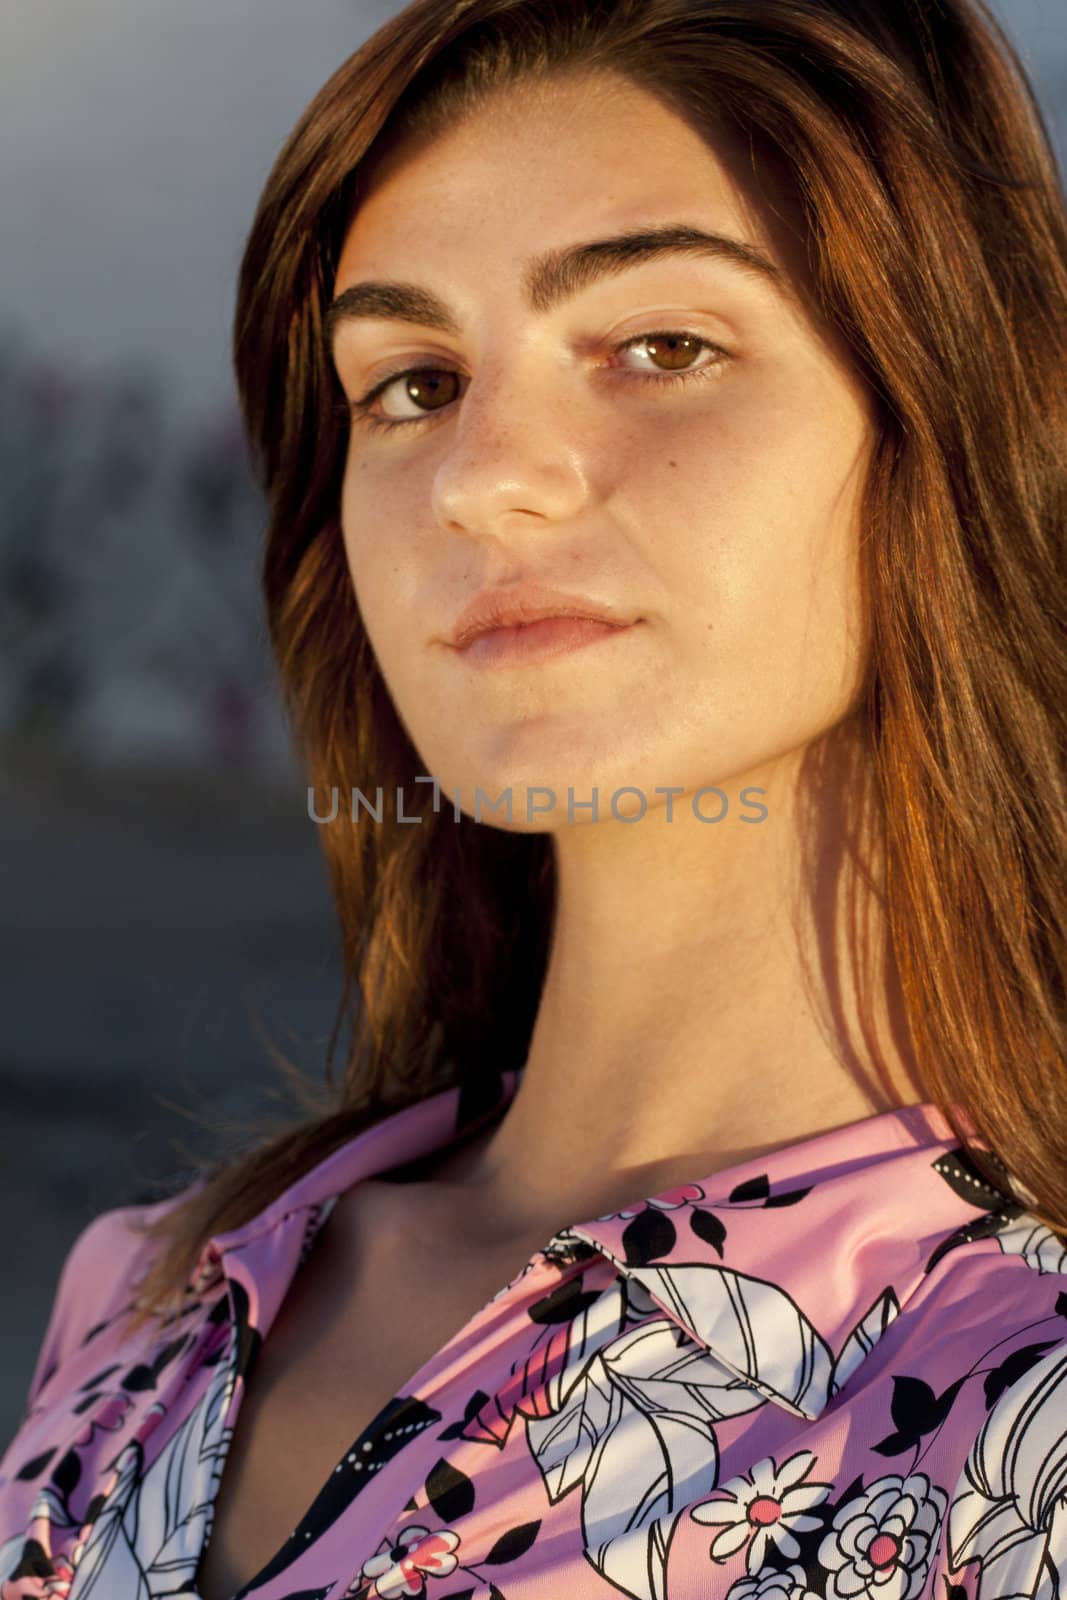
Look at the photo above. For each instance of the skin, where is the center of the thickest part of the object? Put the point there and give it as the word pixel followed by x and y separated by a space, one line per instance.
pixel 680 1029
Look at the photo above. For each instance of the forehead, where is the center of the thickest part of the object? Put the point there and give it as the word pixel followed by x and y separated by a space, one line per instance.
pixel 568 156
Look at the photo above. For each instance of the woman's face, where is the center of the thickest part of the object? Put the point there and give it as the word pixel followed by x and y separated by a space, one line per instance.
pixel 555 441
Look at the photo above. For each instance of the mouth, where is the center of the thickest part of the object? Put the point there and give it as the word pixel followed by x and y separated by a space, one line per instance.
pixel 544 639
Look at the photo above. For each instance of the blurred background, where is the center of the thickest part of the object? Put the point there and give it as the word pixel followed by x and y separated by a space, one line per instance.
pixel 165 920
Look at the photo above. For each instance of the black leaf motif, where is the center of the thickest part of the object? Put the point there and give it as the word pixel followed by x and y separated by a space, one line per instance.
pixel 1061 1304
pixel 449 1491
pixel 789 1198
pixel 459 1594
pixel 34 1562
pixel 412 1505
pixel 894 1444
pixel 954 1591
pixel 916 1410
pixel 513 1544
pixel 913 1400
pixel 309 1594
pixel 66 1475
pixel 566 1301
pixel 477 1400
pixel 169 1351
pixel 98 1381
pixel 707 1226
pixel 981 1228
pixel 1012 1368
pixel 139 1378
pixel 455 1429
pixel 495 1593
pixel 34 1468
pixel 94 1508
pixel 752 1189
pixel 650 1235
pixel 145 1375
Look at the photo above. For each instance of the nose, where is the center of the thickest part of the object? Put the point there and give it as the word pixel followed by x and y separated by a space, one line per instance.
pixel 514 460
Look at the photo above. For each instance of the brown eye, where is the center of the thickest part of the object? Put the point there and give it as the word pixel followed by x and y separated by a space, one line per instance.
pixel 430 387
pixel 674 349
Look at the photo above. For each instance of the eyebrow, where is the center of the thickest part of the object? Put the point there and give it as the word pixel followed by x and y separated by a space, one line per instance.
pixel 553 277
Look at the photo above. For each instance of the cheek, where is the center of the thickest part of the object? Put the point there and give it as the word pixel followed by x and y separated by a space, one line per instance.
pixel 764 482
pixel 748 519
pixel 373 525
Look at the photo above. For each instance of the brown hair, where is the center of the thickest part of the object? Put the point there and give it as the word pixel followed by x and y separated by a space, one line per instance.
pixel 936 230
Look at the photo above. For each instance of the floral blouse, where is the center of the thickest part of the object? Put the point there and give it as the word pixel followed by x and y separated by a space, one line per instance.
pixel 839 1370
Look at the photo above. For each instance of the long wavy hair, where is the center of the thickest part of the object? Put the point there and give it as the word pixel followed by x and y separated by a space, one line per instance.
pixel 912 145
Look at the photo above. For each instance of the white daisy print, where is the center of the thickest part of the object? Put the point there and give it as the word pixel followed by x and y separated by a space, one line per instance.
pixel 768 1506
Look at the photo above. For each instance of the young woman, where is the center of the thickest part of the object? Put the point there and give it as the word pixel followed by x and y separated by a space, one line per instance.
pixel 661 406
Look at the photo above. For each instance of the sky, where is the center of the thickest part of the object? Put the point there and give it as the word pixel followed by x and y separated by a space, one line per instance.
pixel 135 137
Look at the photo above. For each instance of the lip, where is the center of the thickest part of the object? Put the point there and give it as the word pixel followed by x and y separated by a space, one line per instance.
pixel 517 606
pixel 534 642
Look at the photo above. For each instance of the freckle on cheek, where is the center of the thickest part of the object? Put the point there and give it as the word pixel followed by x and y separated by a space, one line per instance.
pixel 672 463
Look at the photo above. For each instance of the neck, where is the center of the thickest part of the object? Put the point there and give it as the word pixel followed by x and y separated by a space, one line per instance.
pixel 703 1003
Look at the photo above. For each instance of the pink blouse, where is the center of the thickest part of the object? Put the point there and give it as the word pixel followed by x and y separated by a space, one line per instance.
pixel 836 1371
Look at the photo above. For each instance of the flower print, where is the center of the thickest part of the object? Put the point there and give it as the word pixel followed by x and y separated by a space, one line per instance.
pixel 769 1506
pixel 788 1585
pixel 417 1555
pixel 670 1200
pixel 882 1541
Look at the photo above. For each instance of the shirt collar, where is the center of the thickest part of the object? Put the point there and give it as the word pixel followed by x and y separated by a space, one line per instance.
pixel 787 1269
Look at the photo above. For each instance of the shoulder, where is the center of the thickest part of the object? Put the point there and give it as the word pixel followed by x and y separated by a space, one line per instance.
pixel 97 1279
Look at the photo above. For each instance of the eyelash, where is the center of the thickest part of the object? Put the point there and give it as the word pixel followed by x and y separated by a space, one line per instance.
pixel 360 413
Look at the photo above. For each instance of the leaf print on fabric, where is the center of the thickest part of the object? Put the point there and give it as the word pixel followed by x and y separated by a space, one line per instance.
pixel 882 1541
pixel 758 1190
pixel 1014 1479
pixel 766 1507
pixel 794 1367
pixel 1038 1246
pixel 146 1541
pixel 512 1544
pixel 571 1323
pixel 709 1229
pixel 649 1236
pixel 636 1433
pixel 670 1200
pixel 863 1338
pixel 1012 1368
pixel 449 1491
pixel 108 1565
pixel 916 1410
